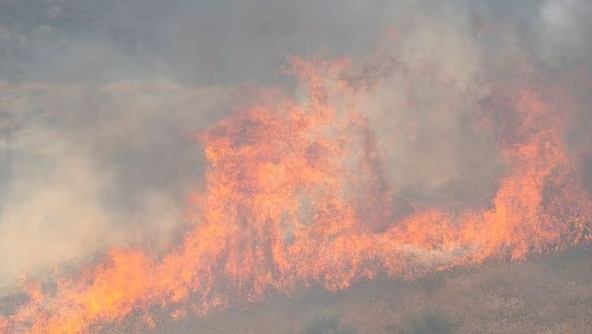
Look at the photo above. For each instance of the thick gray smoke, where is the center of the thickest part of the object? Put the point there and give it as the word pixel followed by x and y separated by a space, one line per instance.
pixel 100 100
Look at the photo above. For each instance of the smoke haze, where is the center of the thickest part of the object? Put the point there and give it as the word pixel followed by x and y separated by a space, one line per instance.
pixel 101 102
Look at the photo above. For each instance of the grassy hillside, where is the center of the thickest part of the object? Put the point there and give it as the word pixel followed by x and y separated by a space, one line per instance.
pixel 546 294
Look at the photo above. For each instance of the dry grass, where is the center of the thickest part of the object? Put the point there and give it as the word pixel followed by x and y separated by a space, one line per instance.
pixel 548 294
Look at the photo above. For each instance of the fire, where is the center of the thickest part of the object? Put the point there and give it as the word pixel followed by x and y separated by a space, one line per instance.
pixel 295 194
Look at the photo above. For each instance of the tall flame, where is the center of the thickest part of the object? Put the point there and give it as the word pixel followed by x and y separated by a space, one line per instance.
pixel 294 194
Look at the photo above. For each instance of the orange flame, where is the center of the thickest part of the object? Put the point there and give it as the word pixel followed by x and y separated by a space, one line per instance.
pixel 294 195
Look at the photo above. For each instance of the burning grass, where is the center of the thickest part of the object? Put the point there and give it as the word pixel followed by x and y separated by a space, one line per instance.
pixel 251 236
pixel 550 294
pixel 389 178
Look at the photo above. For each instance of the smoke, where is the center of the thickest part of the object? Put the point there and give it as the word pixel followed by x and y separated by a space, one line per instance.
pixel 101 101
pixel 566 24
pixel 91 166
pixel 423 110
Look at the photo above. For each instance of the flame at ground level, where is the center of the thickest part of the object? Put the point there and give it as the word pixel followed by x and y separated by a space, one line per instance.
pixel 295 194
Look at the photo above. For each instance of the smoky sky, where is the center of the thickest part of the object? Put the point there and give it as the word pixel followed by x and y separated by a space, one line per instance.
pixel 230 41
pixel 100 101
